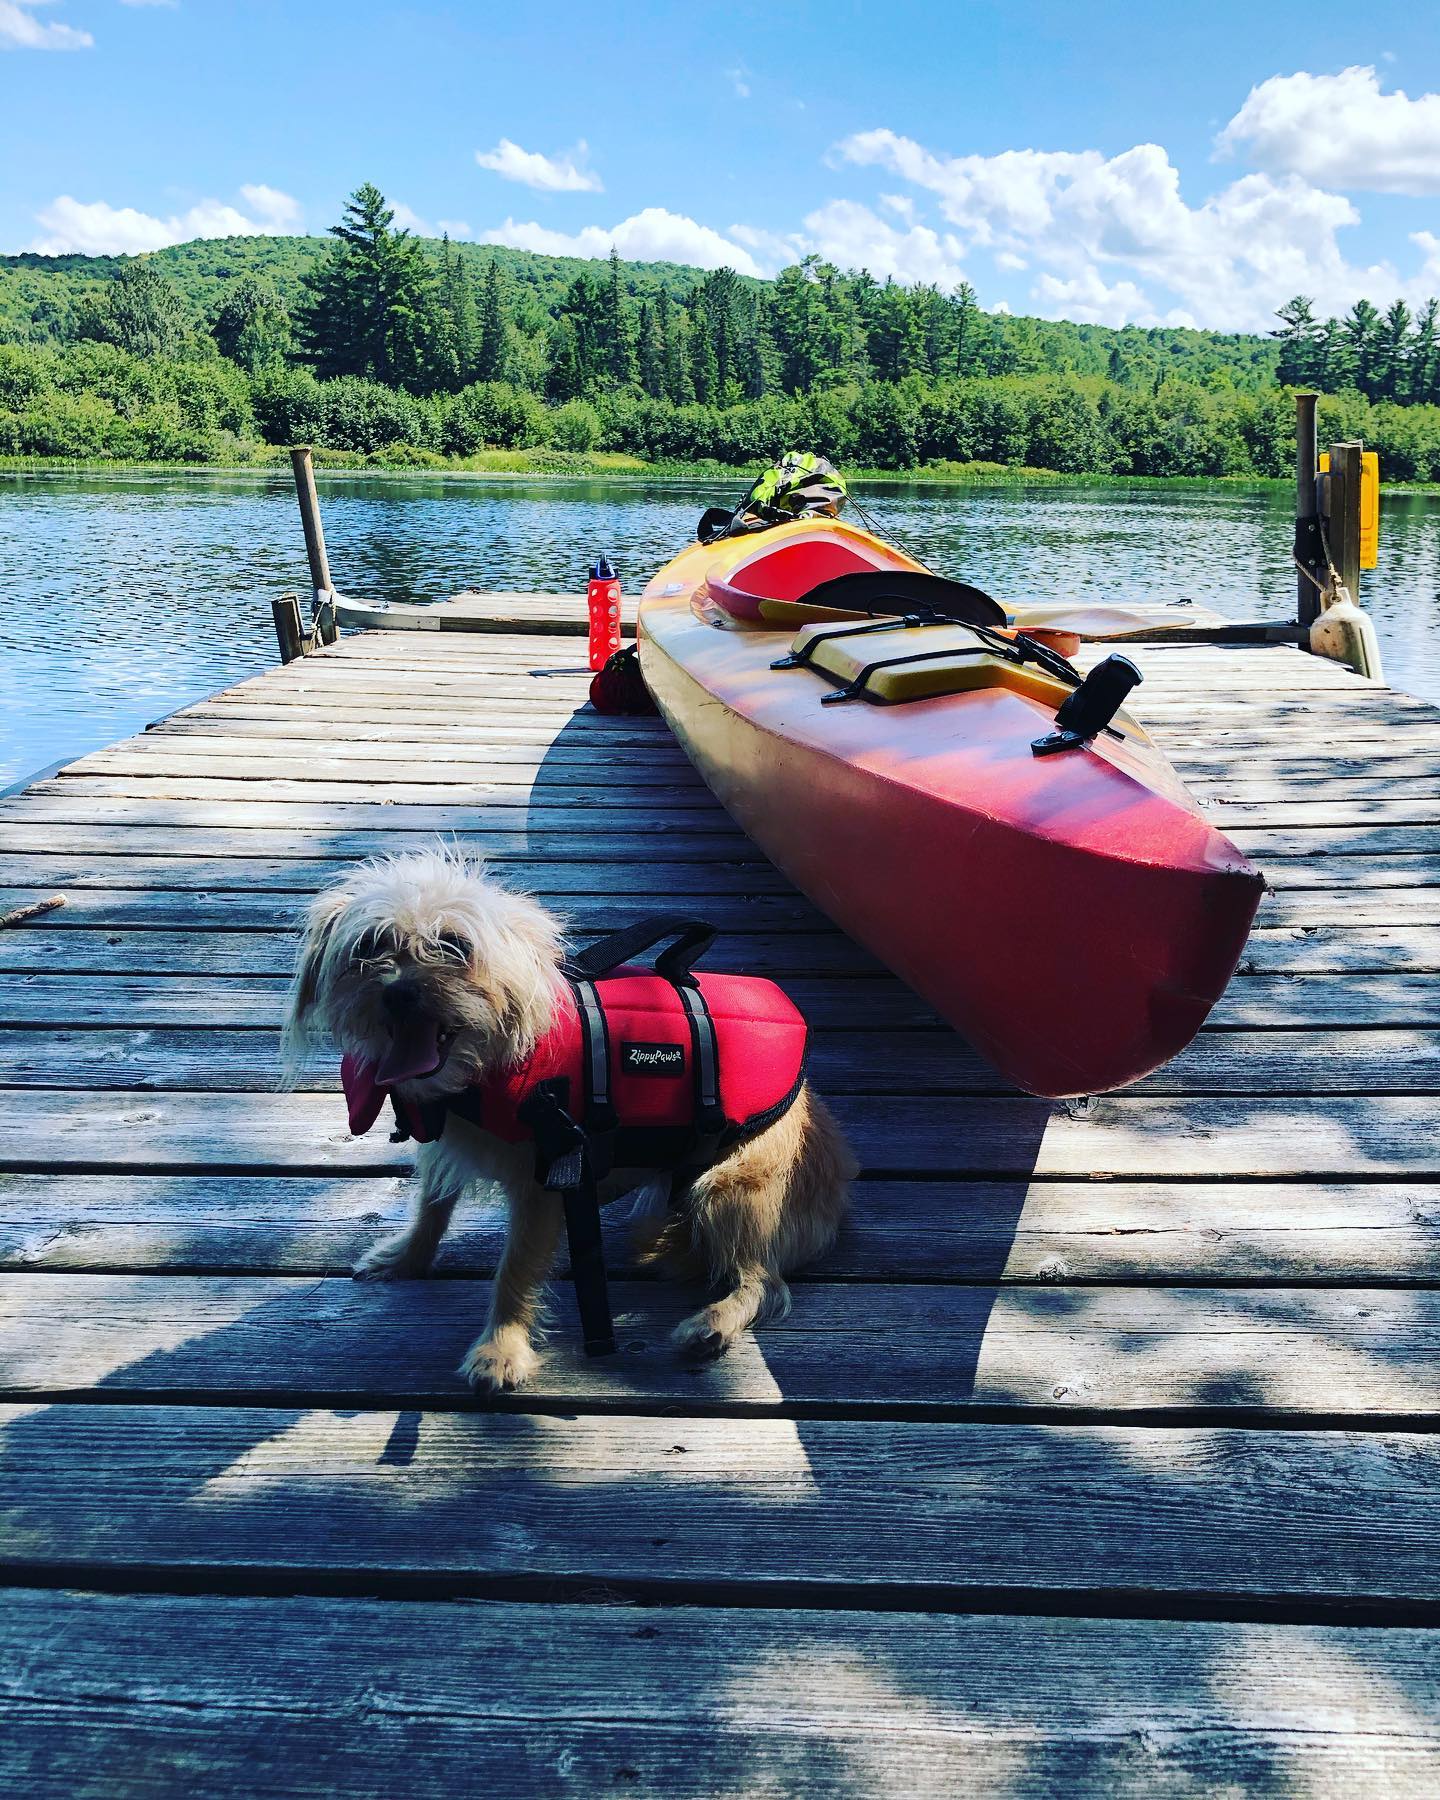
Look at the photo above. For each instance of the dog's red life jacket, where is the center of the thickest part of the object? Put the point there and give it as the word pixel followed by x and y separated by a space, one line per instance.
pixel 760 1057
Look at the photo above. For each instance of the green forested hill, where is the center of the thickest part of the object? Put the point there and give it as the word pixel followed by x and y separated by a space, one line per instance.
pixel 40 298
pixel 372 344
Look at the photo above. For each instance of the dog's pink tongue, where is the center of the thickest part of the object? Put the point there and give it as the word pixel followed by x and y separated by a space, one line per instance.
pixel 414 1051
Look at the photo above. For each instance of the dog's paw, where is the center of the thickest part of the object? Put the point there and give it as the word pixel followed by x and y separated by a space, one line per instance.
pixel 393 1260
pixel 701 1336
pixel 499 1365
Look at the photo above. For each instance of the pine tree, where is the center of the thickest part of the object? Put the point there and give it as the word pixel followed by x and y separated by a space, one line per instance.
pixel 371 307
pixel 1425 356
pixel 1360 329
pixel 1392 353
pixel 250 325
pixel 492 337
pixel 618 339
pixel 141 311
pixel 648 357
pixel 1299 336
pixel 704 365
pixel 462 325
pixel 965 334
pixel 670 330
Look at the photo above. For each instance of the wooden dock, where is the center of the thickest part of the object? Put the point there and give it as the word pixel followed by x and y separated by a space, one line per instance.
pixel 1100 1457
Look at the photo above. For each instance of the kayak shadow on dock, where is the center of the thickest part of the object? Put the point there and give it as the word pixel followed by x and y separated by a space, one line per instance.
pixel 947 1148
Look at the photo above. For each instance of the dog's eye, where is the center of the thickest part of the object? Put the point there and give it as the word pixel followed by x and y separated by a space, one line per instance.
pixel 369 947
pixel 453 946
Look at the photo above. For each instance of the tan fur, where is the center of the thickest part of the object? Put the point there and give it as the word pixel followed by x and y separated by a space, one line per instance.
pixel 487 963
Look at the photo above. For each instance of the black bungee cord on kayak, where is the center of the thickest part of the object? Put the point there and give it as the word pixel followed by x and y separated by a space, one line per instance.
pixel 1092 703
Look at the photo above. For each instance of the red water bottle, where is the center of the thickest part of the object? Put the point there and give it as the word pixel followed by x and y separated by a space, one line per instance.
pixel 604 600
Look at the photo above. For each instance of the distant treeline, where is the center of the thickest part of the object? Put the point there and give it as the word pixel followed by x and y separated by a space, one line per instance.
pixel 96 401
pixel 387 347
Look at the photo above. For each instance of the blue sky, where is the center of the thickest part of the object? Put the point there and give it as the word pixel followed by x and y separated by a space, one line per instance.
pixel 1109 162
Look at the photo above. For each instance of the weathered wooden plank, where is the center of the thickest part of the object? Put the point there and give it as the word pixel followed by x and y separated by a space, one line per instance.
pixel 209 908
pixel 270 867
pixel 1290 1352
pixel 509 823
pixel 155 763
pixel 476 800
pixel 1418 806
pixel 1332 949
pixel 1203 1137
pixel 279 1697
pixel 519 823
pixel 881 1005
pixel 1336 1234
pixel 50 1051
pixel 236 758
pixel 710 1505
pixel 682 793
pixel 1371 733
pixel 1275 951
pixel 91 949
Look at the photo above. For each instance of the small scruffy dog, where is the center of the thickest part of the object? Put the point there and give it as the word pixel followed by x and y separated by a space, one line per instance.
pixel 421 956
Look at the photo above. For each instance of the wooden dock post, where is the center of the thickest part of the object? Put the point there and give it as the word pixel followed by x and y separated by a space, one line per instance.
pixel 1308 550
pixel 289 632
pixel 323 613
pixel 1345 514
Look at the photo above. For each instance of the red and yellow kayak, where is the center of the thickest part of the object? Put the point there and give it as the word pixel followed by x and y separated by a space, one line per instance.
pixel 1073 915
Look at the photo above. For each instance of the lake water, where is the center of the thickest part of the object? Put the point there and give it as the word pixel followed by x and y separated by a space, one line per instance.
pixel 124 596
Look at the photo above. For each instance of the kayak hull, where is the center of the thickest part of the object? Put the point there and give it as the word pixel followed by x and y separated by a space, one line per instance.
pixel 1074 916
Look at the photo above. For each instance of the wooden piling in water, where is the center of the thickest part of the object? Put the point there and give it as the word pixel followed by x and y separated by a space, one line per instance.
pixel 323 611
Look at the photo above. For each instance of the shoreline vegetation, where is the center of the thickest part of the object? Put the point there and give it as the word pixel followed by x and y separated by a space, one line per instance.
pixel 389 353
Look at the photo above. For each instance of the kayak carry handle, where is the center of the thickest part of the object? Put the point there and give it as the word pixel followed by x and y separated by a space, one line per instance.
pixel 1091 707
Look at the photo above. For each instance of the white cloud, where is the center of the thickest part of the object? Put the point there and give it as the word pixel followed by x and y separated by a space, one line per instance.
pixel 1086 299
pixel 95 228
pixel 560 174
pixel 455 228
pixel 901 205
pixel 653 235
pixel 847 233
pixel 407 219
pixel 1340 129
pixel 739 78
pixel 170 3
pixel 21 30
pixel 1105 232
pixel 279 212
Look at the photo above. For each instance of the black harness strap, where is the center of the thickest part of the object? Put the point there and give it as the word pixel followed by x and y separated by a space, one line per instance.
pixel 564 1166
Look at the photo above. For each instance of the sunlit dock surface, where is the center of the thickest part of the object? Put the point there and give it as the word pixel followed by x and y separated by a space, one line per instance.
pixel 1100 1456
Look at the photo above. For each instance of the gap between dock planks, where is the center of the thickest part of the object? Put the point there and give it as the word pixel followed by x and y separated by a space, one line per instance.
pixel 1250 1237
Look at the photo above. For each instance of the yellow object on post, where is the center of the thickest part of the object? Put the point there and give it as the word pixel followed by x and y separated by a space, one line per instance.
pixel 1369 504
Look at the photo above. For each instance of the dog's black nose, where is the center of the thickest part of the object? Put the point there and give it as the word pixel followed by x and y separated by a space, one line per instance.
pixel 400 998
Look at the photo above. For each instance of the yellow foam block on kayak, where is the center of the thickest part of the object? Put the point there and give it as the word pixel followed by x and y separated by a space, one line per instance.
pixel 954 662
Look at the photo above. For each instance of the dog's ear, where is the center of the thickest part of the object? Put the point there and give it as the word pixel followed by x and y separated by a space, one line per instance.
pixel 296 1036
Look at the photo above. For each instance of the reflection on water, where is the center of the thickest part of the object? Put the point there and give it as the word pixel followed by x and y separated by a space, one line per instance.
pixel 123 596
